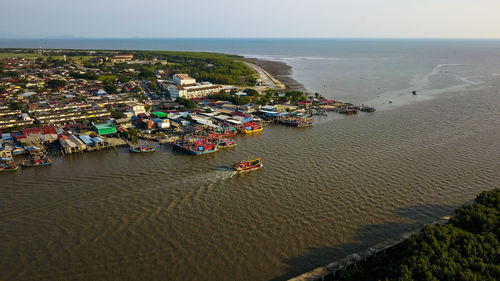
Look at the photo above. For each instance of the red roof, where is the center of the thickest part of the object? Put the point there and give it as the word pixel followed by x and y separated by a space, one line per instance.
pixel 39 130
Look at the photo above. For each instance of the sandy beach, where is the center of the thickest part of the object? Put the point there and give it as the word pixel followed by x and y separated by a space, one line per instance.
pixel 281 71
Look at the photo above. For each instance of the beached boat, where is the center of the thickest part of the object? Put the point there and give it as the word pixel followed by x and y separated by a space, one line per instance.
pixel 225 143
pixel 141 148
pixel 251 127
pixel 248 165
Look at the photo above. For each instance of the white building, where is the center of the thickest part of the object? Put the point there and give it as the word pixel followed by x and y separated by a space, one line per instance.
pixel 193 91
pixel 163 124
pixel 136 108
pixel 183 79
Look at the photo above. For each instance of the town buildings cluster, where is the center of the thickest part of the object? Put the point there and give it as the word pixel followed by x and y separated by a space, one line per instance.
pixel 82 106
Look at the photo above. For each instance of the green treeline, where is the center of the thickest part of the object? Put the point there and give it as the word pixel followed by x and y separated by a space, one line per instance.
pixel 203 66
pixel 214 67
pixel 467 248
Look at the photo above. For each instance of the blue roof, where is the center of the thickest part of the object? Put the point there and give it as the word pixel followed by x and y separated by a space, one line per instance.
pixel 6 136
pixel 86 139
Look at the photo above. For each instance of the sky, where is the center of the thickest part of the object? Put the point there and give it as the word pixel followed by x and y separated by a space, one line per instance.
pixel 250 18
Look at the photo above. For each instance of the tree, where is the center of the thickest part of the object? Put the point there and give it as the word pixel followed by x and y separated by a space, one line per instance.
pixel 117 114
pixel 133 135
pixel 16 105
pixel 110 88
pixel 55 84
pixel 251 92
pixel 187 103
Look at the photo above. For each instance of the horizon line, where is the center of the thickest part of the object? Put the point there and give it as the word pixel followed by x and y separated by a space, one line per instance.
pixel 243 38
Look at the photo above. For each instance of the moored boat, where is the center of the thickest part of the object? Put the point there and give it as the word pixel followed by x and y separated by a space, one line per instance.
pixel 141 148
pixel 298 122
pixel 368 109
pixel 195 146
pixel 36 162
pixel 228 132
pixel 7 163
pixel 17 150
pixel 248 165
pixel 37 158
pixel 348 111
pixel 251 127
pixel 225 143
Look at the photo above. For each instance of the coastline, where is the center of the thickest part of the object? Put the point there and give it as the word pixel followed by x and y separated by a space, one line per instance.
pixel 279 70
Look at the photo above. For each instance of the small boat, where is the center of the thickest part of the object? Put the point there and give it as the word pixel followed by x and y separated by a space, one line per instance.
pixel 18 150
pixel 225 143
pixel 37 158
pixel 8 167
pixel 45 161
pixel 249 165
pixel 368 109
pixel 348 111
pixel 141 148
pixel 7 163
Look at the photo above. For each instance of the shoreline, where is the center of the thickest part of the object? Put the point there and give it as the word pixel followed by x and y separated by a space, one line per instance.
pixel 279 70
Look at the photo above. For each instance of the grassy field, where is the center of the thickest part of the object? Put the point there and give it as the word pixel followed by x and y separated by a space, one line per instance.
pixel 4 55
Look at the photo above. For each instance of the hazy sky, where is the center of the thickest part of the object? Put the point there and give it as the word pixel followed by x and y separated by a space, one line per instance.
pixel 251 18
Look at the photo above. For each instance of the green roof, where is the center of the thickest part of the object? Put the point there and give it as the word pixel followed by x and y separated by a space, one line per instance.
pixel 105 129
pixel 160 114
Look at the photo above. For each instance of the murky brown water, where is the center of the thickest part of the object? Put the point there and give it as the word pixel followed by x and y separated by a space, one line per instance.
pixel 324 192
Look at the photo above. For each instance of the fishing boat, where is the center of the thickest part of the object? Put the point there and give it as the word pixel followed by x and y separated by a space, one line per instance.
pixel 228 132
pixel 37 158
pixel 298 122
pixel 368 109
pixel 225 143
pixel 141 148
pixel 7 163
pixel 45 161
pixel 348 111
pixel 251 127
pixel 195 146
pixel 18 150
pixel 248 165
